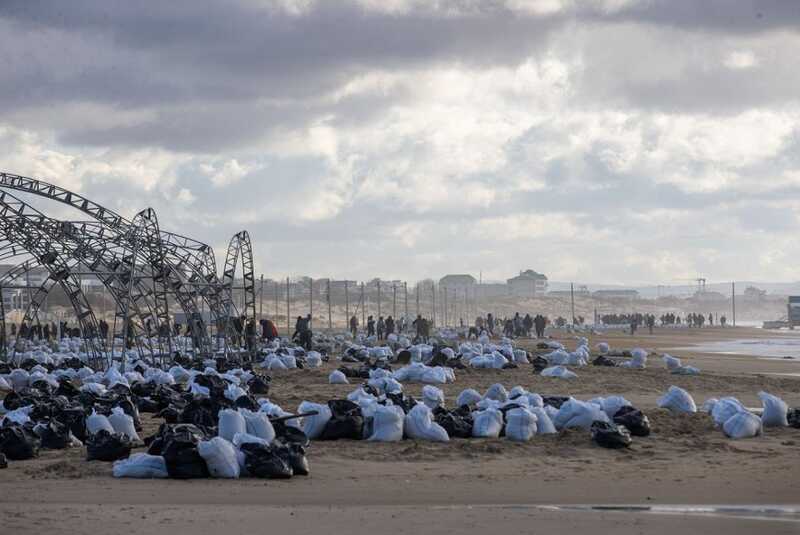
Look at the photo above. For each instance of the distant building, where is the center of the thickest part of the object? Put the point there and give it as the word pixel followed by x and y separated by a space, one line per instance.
pixel 17 299
pixel 458 282
pixel 580 291
pixel 754 294
pixel 616 294
pixel 528 283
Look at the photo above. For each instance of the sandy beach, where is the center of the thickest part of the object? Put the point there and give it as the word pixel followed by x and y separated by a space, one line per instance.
pixel 469 485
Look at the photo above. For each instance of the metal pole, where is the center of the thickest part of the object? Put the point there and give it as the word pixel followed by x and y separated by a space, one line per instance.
pixel 405 291
pixel 572 299
pixel 379 298
pixel 288 313
pixel 733 301
pixel 363 309
pixel 310 301
pixel 261 298
pixel 444 306
pixel 346 306
pixel 330 320
pixel 394 300
pixel 417 298
pixel 433 308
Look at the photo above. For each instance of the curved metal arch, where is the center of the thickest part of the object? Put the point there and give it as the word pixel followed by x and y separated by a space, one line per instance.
pixel 239 246
pixel 79 246
pixel 181 250
pixel 39 246
pixel 146 238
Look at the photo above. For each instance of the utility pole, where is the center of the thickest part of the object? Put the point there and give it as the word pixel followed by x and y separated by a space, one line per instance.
pixel 394 300
pixel 288 313
pixel 363 309
pixel 433 308
pixel 330 319
pixel 572 299
pixel 444 315
pixel 261 298
pixel 405 292
pixel 733 301
pixel 346 305
pixel 379 298
pixel 311 301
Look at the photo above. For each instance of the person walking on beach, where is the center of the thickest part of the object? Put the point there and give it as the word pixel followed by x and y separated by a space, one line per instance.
pixel 381 328
pixel 354 325
pixel 370 326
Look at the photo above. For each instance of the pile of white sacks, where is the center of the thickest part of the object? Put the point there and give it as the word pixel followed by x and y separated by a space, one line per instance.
pixel 389 381
pixel 527 415
pixel 729 414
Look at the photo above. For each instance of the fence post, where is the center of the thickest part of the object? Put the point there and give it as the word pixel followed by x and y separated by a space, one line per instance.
pixel 330 319
pixel 288 313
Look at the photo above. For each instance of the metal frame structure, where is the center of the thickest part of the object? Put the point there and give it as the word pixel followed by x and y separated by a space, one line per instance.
pixel 145 270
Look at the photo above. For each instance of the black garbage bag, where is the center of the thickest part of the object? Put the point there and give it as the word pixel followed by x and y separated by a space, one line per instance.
pixel 120 389
pixel 107 447
pixel 199 412
pixel 171 415
pixel 216 385
pixel 3 461
pixel 180 452
pixel 554 401
pixel 18 443
pixel 346 421
pixel 73 362
pixel 14 401
pixel 793 417
pixel 603 360
pixel 539 363
pixel 166 395
pixel 147 405
pixel 355 373
pixel 510 366
pixel 54 436
pixel 403 401
pixel 166 431
pixel 266 461
pixel 75 419
pixel 259 384
pixel 457 423
pixel 43 386
pixel 144 390
pixel 610 435
pixel 295 456
pixel 66 388
pixel 403 357
pixel 41 411
pixel 634 421
pixel 246 402
pixel 290 435
pixel 438 358
pixel 28 364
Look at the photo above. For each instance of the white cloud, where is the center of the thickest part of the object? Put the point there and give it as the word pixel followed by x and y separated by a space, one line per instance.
pixel 740 60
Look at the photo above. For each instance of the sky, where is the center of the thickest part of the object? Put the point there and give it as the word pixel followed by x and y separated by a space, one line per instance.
pixel 600 141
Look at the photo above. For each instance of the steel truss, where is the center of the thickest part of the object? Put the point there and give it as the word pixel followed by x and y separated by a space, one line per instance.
pixel 144 269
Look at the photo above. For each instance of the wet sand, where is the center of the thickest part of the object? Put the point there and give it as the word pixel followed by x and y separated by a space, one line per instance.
pixel 465 486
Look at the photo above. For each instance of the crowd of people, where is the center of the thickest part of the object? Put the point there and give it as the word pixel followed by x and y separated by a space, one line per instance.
pixel 245 332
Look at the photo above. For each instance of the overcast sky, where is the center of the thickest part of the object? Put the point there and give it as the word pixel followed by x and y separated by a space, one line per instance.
pixel 606 141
